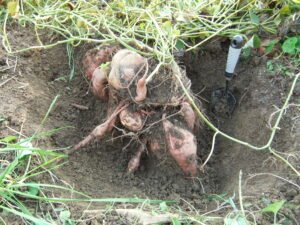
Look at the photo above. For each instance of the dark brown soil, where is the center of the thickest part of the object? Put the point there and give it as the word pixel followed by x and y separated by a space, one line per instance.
pixel 99 169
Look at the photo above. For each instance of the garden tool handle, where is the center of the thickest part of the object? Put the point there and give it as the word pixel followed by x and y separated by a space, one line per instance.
pixel 233 55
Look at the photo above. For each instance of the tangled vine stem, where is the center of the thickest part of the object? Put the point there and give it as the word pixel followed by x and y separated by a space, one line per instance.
pixel 176 71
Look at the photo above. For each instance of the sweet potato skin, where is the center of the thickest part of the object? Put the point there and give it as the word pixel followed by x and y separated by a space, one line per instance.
pixel 134 162
pixel 141 90
pixel 124 66
pixel 131 120
pixel 99 83
pixel 188 114
pixel 182 147
pixel 93 58
pixel 101 129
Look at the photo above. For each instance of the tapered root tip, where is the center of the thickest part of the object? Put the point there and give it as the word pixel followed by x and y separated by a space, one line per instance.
pixel 141 90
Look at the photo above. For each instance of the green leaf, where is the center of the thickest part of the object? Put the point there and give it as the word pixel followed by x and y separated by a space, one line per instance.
pixel 298 43
pixel 13 8
pixel 142 26
pixel 238 220
pixel 285 10
pixel 175 221
pixel 163 206
pixel 105 65
pixel 179 45
pixel 8 139
pixel 26 150
pixel 33 190
pixel 215 197
pixel 270 65
pixel 274 207
pixel 246 53
pixel 167 26
pixel 289 45
pixel 64 216
pixel 9 169
pixel 271 46
pixel 176 32
pixel 256 41
pixel 254 18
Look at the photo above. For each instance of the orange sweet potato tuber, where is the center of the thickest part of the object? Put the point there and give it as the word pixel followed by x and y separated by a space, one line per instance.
pixel 93 58
pixel 102 129
pixel 99 83
pixel 188 114
pixel 134 162
pixel 182 147
pixel 131 120
pixel 124 67
pixel 141 90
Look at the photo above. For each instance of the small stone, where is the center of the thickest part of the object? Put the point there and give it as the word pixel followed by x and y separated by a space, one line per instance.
pixel 297 211
pixel 195 195
pixel 142 168
pixel 296 200
pixel 282 188
pixel 256 60
pixel 5 123
pixel 196 187
pixel 297 90
pixel 291 193
pixel 198 202
pixel 175 186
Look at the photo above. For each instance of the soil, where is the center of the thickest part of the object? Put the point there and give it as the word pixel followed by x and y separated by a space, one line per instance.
pixel 33 79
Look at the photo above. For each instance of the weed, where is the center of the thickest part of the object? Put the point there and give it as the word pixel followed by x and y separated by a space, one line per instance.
pixel 155 29
pixel 274 208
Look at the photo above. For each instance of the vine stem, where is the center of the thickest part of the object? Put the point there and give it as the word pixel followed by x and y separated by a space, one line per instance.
pixel 211 150
pixel 285 161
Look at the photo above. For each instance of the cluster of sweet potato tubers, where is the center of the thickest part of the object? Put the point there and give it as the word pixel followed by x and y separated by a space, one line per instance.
pixel 138 106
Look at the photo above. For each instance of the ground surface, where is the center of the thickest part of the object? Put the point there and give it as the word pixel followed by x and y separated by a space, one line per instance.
pixel 36 77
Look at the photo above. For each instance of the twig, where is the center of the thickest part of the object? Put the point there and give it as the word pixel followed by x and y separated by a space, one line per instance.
pixel 3 83
pixel 81 107
pixel 240 193
pixel 158 121
pixel 17 132
pixel 274 175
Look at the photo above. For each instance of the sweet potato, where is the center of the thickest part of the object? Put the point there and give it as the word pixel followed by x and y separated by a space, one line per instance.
pixel 131 120
pixel 188 114
pixel 182 147
pixel 102 129
pixel 134 162
pixel 124 67
pixel 141 90
pixel 99 83
pixel 95 57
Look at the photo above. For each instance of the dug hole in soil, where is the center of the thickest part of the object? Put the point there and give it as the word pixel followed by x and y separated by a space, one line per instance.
pixel 99 168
